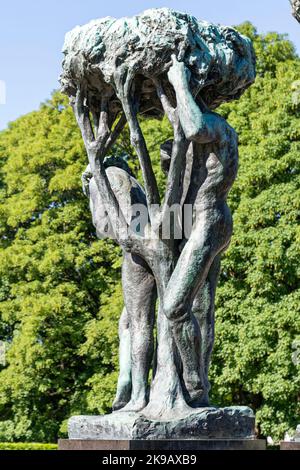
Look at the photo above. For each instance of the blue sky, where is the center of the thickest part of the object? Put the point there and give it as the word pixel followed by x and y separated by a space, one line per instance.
pixel 32 34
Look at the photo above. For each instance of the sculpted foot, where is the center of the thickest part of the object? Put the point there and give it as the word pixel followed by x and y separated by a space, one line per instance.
pixel 135 405
pixel 122 397
pixel 198 399
pixel 118 405
pixel 197 393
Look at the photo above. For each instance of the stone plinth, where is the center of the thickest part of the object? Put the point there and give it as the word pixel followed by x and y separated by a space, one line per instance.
pixel 163 445
pixel 203 423
pixel 289 445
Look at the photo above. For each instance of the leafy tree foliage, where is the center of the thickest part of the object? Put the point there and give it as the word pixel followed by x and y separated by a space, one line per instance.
pixel 60 295
pixel 52 273
pixel 258 319
pixel 271 48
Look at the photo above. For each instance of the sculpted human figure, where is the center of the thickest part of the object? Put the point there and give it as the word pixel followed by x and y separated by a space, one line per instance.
pixel 203 305
pixel 215 163
pixel 139 290
pixel 136 350
pixel 162 62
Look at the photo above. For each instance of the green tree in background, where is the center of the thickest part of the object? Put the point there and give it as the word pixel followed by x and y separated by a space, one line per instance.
pixel 258 303
pixel 52 273
pixel 60 296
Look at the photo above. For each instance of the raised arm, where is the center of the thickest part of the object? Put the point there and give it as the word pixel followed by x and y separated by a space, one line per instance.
pixel 124 83
pixel 197 125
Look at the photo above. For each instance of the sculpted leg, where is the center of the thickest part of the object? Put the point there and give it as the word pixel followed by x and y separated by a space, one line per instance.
pixel 140 297
pixel 189 276
pixel 188 340
pixel 203 310
pixel 124 381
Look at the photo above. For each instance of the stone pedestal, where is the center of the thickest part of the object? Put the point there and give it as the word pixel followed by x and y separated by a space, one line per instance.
pixel 162 445
pixel 208 428
pixel 203 423
pixel 289 445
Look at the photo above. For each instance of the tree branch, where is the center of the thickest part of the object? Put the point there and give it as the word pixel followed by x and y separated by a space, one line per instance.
pixel 176 172
pixel 123 82
pixel 115 133
pixel 167 107
pixel 103 128
pixel 174 187
pixel 96 150
pixel 81 112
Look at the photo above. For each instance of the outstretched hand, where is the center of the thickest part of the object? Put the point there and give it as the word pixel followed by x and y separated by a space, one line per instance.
pixel 178 71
